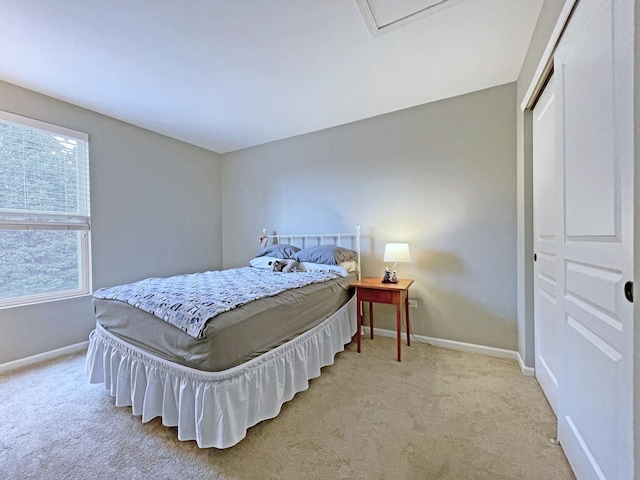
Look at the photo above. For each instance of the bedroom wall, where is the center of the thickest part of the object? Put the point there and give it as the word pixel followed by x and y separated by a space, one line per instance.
pixel 440 176
pixel 155 208
pixel 547 19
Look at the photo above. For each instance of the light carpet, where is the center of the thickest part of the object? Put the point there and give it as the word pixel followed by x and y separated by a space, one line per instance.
pixel 440 414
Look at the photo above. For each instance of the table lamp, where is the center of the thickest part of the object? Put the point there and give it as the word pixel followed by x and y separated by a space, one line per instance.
pixel 397 253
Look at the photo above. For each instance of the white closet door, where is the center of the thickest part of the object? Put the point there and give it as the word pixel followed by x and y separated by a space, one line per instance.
pixel 594 97
pixel 548 325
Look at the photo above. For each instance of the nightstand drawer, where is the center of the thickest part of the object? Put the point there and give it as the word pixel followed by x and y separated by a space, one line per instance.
pixel 378 296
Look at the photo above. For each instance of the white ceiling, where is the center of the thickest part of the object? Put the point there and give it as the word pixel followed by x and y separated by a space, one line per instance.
pixel 229 74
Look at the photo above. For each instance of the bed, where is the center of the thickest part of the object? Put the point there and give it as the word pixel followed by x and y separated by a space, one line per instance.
pixel 218 368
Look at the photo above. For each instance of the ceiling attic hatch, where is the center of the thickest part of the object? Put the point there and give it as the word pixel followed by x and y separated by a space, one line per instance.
pixel 382 16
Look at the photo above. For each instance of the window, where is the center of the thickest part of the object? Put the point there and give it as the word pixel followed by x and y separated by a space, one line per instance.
pixel 44 212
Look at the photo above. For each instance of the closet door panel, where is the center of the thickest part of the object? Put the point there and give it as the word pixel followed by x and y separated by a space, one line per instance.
pixel 548 326
pixel 594 86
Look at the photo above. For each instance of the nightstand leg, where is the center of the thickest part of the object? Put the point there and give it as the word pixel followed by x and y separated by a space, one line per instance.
pixel 399 328
pixel 359 330
pixel 371 319
pixel 406 309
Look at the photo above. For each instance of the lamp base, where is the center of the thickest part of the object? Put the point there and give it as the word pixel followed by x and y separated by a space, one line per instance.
pixel 389 276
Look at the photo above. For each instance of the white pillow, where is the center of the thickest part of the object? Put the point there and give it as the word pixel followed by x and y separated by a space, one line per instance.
pixel 262 262
pixel 344 269
pixel 350 266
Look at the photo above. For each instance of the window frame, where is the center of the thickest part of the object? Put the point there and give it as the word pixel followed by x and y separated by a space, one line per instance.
pixel 56 221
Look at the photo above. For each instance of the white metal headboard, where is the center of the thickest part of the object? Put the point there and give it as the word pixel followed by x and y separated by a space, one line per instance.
pixel 317 239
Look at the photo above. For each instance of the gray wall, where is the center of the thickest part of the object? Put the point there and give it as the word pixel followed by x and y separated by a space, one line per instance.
pixel 155 208
pixel 440 176
pixel 544 27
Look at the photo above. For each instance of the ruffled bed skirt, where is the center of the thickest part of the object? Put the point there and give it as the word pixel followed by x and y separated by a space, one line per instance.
pixel 216 408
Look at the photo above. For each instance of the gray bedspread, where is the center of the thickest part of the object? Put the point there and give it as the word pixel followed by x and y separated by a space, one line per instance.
pixel 232 337
pixel 189 301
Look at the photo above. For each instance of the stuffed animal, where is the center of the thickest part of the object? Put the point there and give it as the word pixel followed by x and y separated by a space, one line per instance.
pixel 285 265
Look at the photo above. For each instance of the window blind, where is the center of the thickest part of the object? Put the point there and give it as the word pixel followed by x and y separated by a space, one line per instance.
pixel 44 177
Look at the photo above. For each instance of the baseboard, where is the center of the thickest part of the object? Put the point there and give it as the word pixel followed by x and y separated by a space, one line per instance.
pixel 41 357
pixel 462 346
pixel 526 371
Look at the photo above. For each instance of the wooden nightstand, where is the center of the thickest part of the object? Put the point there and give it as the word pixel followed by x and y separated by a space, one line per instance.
pixel 373 290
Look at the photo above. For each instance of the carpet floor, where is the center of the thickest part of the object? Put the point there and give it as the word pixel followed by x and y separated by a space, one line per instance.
pixel 440 414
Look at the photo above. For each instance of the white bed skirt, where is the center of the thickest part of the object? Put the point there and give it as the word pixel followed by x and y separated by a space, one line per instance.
pixel 216 408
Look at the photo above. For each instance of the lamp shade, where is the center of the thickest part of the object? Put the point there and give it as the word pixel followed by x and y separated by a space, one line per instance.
pixel 397 252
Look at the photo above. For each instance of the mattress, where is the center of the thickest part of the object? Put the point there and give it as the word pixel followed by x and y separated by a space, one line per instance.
pixel 233 337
